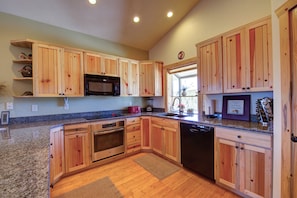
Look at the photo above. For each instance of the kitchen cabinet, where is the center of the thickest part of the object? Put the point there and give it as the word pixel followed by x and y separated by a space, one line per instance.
pixel 133 135
pixel 129 73
pixel 57 167
pixel 247 58
pixel 145 132
pixel 150 78
pixel 210 68
pixel 101 64
pixel 23 83
pixel 165 137
pixel 77 147
pixel 243 161
pixel 57 71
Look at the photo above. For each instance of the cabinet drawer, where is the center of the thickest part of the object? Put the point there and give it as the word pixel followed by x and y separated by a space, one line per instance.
pixel 134 120
pixel 133 148
pixel 133 137
pixel 252 138
pixel 165 122
pixel 76 128
pixel 134 127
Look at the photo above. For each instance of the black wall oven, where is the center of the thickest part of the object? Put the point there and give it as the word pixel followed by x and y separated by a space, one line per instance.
pixel 102 85
pixel 107 139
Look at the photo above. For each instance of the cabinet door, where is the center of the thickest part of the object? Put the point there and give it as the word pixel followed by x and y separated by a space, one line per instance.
pixel 46 64
pixel 256 178
pixel 72 73
pixel 76 151
pixel 129 73
pixel 157 138
pixel 56 154
pixel 210 66
pixel 110 65
pixel 227 163
pixel 150 78
pixel 93 64
pixel 234 61
pixel 170 143
pixel 259 60
pixel 146 132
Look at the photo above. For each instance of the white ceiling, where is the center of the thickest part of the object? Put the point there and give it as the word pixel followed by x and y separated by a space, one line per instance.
pixel 108 19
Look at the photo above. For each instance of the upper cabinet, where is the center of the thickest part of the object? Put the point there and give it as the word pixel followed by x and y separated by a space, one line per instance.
pixel 210 66
pixel 129 73
pixel 57 71
pixel 150 75
pixel 101 64
pixel 247 58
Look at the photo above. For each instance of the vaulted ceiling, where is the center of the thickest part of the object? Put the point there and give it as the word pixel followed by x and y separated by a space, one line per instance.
pixel 108 19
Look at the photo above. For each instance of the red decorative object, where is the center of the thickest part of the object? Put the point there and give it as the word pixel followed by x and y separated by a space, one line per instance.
pixel 181 55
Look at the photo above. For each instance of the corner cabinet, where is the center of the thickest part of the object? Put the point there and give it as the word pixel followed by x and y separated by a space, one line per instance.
pixel 244 162
pixel 57 165
pixel 210 68
pixel 247 58
pixel 101 64
pixel 166 138
pixel 57 71
pixel 77 147
pixel 129 73
pixel 150 78
pixel 145 132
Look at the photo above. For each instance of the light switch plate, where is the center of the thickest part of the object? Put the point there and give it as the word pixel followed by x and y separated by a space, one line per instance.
pixel 34 107
pixel 9 105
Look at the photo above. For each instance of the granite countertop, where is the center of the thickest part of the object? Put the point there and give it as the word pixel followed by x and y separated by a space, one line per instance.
pixel 24 151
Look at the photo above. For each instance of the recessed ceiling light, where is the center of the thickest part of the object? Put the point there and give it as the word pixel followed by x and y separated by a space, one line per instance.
pixel 169 14
pixel 92 2
pixel 136 19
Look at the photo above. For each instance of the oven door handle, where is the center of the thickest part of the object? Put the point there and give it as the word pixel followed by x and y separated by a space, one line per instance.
pixel 107 132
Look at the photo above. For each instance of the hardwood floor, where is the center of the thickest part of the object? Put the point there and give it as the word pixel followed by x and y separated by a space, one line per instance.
pixel 134 181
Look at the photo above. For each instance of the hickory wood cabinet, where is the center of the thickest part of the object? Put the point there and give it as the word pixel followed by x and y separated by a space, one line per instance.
pixel 165 137
pixel 77 146
pixel 210 68
pixel 247 60
pixel 129 73
pixel 243 162
pixel 101 64
pixel 57 71
pixel 57 166
pixel 145 132
pixel 133 135
pixel 150 78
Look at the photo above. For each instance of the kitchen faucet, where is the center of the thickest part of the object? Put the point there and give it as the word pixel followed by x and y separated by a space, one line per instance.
pixel 179 104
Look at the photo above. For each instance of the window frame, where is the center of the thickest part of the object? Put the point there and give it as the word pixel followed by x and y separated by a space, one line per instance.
pixel 178 66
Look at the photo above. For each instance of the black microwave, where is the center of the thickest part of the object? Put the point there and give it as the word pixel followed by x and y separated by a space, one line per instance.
pixel 101 85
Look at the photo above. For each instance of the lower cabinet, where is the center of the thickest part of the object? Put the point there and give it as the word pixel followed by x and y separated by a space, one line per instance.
pixel 57 167
pixel 145 132
pixel 165 137
pixel 133 135
pixel 77 147
pixel 243 162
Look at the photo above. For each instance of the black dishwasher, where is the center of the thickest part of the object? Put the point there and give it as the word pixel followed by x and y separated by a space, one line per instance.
pixel 197 149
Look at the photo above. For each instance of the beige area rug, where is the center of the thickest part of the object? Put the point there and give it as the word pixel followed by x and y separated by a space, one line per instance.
pixel 157 166
pixel 102 188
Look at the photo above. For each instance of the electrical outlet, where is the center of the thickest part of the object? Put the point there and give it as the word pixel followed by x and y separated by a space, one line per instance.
pixel 34 107
pixel 9 106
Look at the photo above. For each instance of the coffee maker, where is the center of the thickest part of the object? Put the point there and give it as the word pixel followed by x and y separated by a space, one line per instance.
pixel 149 106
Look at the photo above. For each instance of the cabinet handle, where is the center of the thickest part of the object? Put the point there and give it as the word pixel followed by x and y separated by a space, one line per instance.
pixel 239 136
pixel 241 148
pixel 252 180
pixel 265 80
pixel 51 144
pixel 248 88
pixel 243 88
pixel 236 147
pixel 52 156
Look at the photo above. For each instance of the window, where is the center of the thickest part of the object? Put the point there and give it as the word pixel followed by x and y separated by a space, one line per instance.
pixel 182 88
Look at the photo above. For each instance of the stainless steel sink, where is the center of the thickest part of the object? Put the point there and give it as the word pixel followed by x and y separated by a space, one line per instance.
pixel 175 115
